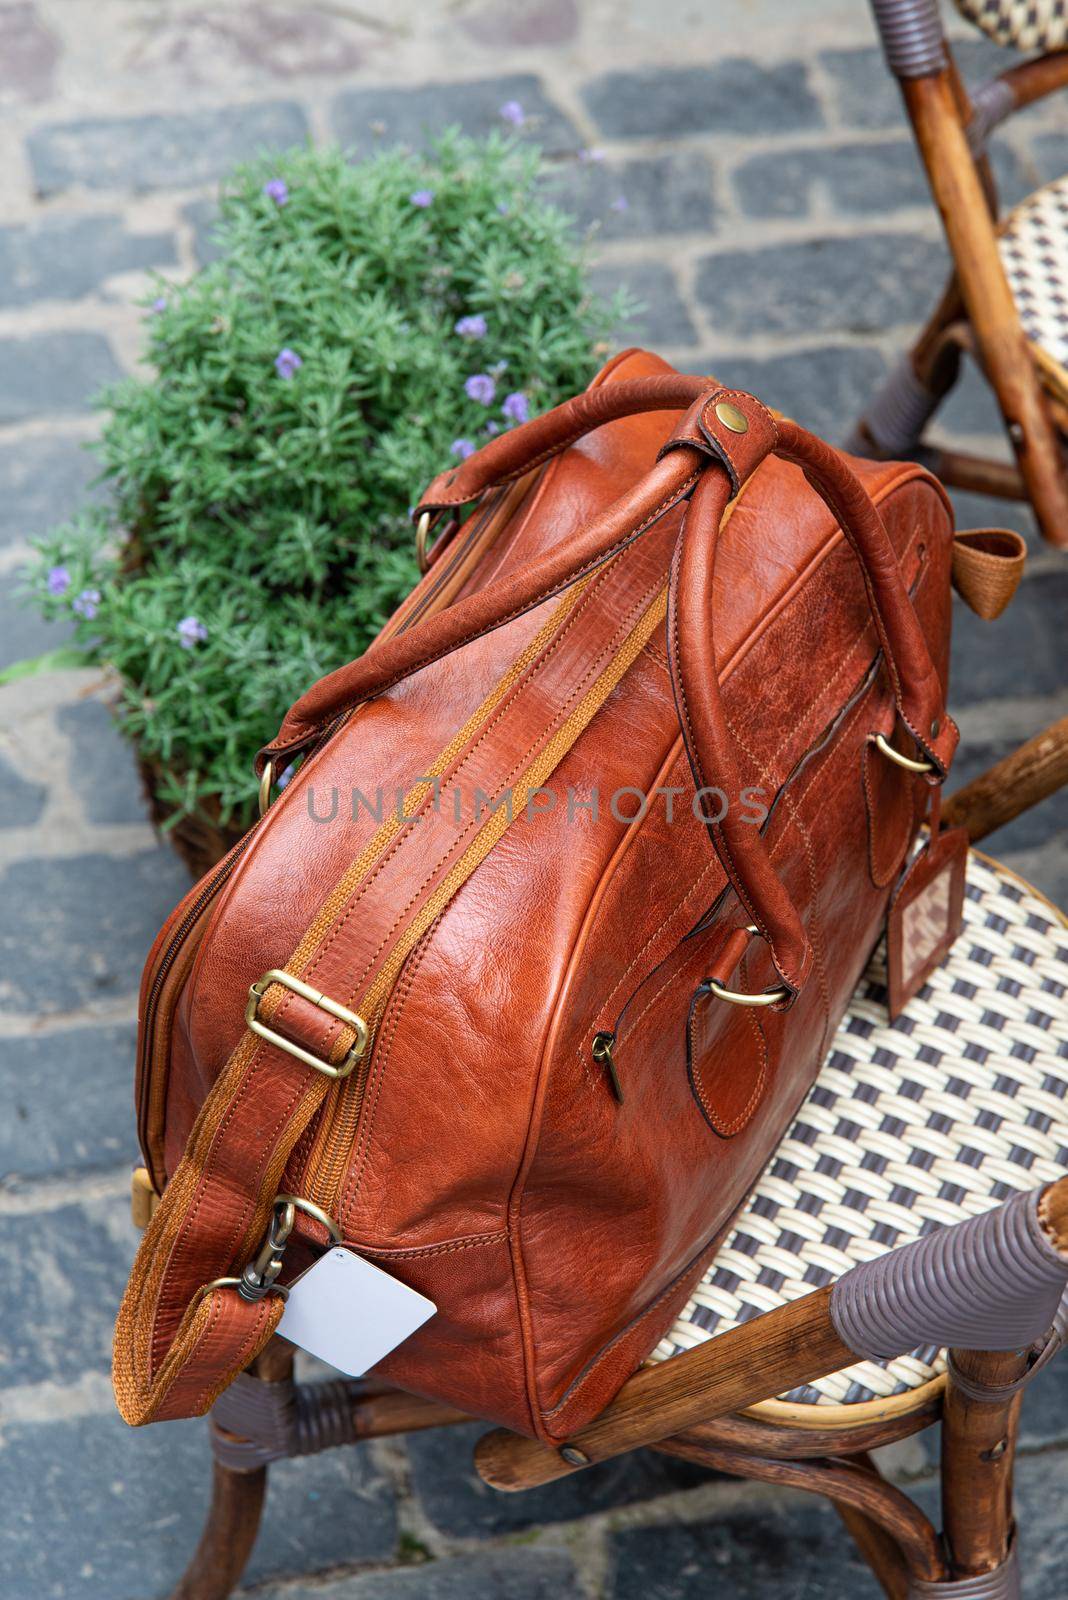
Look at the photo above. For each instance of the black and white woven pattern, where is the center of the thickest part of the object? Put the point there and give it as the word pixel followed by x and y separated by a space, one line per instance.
pixel 1024 24
pixel 911 1125
pixel 1034 253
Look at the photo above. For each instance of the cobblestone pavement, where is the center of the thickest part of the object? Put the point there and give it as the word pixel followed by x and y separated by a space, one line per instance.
pixel 758 190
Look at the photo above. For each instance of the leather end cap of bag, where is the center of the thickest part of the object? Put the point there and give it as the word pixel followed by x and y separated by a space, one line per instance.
pixel 988 564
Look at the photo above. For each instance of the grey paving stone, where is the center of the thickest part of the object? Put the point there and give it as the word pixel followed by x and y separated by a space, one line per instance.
pixel 64 258
pixel 1021 653
pixel 970 407
pixel 69 1101
pixel 627 199
pixel 78 928
pixel 95 1510
pixel 43 480
pixel 490 1575
pixel 737 96
pixel 53 373
pixel 859 285
pixel 790 1546
pixel 824 388
pixel 461 1505
pixel 364 117
pixel 159 152
pixel 854 177
pixel 859 178
pixel 103 766
pixel 62 1288
pixel 202 215
pixel 21 801
pixel 983 511
pixel 1049 152
pixel 23 631
pixel 1044 1417
pixel 663 318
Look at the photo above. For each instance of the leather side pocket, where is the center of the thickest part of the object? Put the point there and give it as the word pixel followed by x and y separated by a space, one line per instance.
pixel 726 1060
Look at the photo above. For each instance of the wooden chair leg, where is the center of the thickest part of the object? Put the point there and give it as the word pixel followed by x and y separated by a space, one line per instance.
pixel 229 1534
pixel 236 1506
pixel 978 1451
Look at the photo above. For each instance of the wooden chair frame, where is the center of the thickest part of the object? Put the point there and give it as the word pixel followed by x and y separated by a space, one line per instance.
pixel 977 312
pixel 689 1406
pixel 685 1408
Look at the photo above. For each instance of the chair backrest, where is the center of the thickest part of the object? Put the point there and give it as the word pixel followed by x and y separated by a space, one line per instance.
pixel 1022 24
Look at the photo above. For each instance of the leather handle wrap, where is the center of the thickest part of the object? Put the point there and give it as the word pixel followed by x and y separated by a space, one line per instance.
pixel 992 1283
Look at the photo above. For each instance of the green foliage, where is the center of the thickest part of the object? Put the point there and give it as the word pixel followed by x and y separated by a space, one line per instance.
pixel 267 510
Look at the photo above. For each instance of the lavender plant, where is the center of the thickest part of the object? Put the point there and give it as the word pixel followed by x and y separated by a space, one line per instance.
pixel 363 324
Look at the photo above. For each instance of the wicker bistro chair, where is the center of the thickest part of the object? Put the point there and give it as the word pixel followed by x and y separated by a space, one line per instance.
pixel 1006 303
pixel 902 1261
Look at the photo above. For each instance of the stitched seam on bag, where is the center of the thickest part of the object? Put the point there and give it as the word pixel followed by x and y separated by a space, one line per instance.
pixel 474 1241
pixel 715 1120
pixel 379 1062
pixel 557 719
pixel 505 706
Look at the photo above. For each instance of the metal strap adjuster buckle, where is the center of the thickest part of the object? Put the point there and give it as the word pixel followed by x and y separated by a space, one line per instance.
pixel 306 992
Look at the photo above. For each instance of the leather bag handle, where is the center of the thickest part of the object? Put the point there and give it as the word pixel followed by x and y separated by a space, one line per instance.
pixel 733 430
pixel 741 432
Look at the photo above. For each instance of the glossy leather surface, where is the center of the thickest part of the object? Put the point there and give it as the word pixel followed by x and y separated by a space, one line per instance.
pixel 492 1167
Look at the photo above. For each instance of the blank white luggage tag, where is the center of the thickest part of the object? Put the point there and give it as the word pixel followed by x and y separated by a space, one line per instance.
pixel 350 1313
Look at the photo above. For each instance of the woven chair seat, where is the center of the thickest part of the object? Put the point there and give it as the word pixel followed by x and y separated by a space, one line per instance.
pixel 911 1125
pixel 1033 242
pixel 1023 24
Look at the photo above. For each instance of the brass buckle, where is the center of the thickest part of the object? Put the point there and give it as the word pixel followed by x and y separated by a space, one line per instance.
pixel 895 755
pixel 735 997
pixel 259 1277
pixel 306 992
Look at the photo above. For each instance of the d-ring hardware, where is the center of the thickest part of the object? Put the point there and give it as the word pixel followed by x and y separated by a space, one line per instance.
pixel 306 992
pixel 902 761
pixel 735 997
pixel 266 785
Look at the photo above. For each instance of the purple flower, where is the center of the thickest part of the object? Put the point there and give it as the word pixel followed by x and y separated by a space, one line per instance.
pixel 492 428
pixel 512 112
pixel 461 448
pixel 191 631
pixel 284 777
pixel 158 305
pixel 481 387
pixel 85 604
pixel 620 203
pixel 516 407
pixel 422 198
pixel 473 327
pixel 278 191
pixel 58 580
pixel 503 207
pixel 286 363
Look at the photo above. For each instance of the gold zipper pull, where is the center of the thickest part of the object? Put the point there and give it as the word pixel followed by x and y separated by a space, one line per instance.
pixel 603 1046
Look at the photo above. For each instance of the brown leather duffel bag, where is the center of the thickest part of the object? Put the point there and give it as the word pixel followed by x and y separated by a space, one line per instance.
pixel 522 976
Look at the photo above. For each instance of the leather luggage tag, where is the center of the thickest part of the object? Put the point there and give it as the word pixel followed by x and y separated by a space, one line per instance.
pixel 350 1313
pixel 925 917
